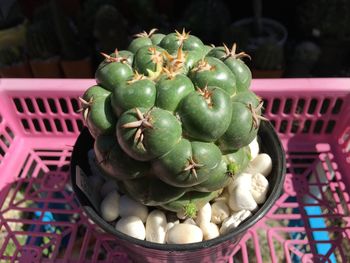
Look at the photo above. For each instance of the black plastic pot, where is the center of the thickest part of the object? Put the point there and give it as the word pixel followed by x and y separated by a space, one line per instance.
pixel 206 251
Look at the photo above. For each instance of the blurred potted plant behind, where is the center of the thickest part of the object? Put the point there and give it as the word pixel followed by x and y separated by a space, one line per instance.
pixel 13 63
pixel 75 61
pixel 43 46
pixel 263 39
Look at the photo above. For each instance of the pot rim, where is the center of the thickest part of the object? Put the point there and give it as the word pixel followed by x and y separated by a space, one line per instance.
pixel 266 21
pixel 265 127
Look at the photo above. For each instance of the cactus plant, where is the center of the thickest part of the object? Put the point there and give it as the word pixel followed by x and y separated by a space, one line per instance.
pixel 10 56
pixel 269 56
pixel 110 28
pixel 12 16
pixel 68 38
pixel 41 42
pixel 216 15
pixel 172 122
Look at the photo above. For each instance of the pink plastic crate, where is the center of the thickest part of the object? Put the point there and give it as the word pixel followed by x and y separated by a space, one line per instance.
pixel 40 221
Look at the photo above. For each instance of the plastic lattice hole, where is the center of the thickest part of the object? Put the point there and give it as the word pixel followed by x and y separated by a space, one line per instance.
pixel 25 124
pixel 58 125
pixel 52 105
pixel 300 106
pixel 9 132
pixel 325 106
pixel 337 106
pixel 276 106
pixel 330 126
pixel 41 105
pixel 18 105
pixel 6 139
pixel 318 127
pixel 47 125
pixel 283 126
pixel 29 105
pixel 69 125
pixel 75 104
pixel 64 106
pixel 36 125
pixel 266 103
pixel 80 124
pixel 307 125
pixel 312 106
pixel 288 106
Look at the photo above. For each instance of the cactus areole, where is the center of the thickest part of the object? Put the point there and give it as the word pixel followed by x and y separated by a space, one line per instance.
pixel 172 119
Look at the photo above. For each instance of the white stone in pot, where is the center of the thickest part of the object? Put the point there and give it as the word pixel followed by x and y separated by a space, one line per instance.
pixel 254 148
pixel 260 186
pixel 131 226
pixel 190 221
pixel 219 212
pixel 203 215
pixel 156 225
pixel 130 207
pixel 240 196
pixel 108 187
pixel 225 195
pixel 234 220
pixel 184 234
pixel 210 231
pixel 110 206
pixel 260 164
pixel 171 224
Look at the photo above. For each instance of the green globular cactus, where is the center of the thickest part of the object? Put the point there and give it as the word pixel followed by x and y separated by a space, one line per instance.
pixel 41 42
pixel 172 119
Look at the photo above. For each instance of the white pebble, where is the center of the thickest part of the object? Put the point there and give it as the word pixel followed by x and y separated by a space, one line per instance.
pixel 210 231
pixel 219 212
pixel 254 148
pixel 240 195
pixel 203 215
pixel 171 224
pixel 129 207
pixel 110 206
pixel 131 226
pixel 156 227
pixel 234 220
pixel 260 186
pixel 224 196
pixel 190 221
pixel 184 234
pixel 108 187
pixel 240 179
pixel 260 164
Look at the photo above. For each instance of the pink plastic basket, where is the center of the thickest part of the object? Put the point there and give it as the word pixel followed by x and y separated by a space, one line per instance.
pixel 40 221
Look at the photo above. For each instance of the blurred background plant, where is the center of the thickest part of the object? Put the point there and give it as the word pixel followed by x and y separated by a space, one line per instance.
pixel 68 35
